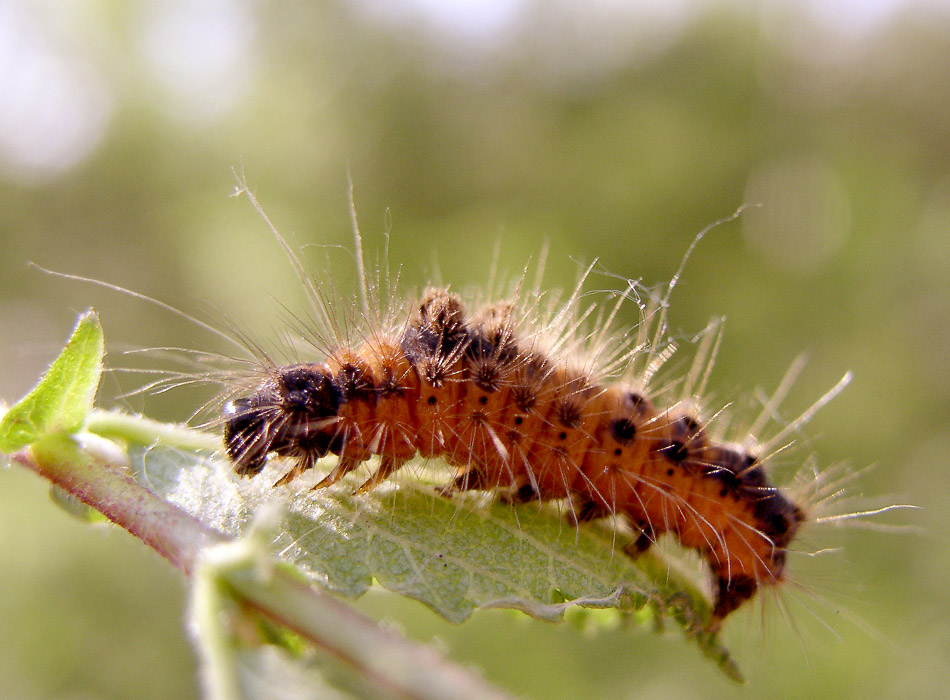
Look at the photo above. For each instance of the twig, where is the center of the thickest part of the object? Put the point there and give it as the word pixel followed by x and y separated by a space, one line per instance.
pixel 398 665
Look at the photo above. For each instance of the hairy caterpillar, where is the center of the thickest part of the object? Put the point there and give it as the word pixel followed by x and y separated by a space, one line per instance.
pixel 516 413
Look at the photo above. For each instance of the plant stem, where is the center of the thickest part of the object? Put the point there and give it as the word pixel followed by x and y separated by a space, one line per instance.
pixel 112 491
pixel 254 577
pixel 145 431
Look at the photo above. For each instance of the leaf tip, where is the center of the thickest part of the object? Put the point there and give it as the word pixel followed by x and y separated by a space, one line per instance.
pixel 64 395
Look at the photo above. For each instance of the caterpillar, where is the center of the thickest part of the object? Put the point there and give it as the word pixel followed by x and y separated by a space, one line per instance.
pixel 515 415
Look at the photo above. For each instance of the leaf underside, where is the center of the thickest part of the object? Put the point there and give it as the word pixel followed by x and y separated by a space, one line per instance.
pixel 454 555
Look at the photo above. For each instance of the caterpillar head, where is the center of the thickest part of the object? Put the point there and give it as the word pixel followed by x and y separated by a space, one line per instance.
pixel 293 413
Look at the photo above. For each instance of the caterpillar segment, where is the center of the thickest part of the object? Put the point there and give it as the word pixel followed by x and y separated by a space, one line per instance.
pixel 514 420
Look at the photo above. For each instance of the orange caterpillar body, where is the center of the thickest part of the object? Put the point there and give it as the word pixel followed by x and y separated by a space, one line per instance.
pixel 514 419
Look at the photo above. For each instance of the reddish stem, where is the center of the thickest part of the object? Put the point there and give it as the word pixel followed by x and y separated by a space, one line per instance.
pixel 113 492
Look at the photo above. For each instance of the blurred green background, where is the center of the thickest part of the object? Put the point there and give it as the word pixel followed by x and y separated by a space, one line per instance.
pixel 608 130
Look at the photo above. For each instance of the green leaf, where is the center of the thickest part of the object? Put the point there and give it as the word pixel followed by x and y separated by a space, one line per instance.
pixel 64 396
pixel 76 508
pixel 350 658
pixel 454 555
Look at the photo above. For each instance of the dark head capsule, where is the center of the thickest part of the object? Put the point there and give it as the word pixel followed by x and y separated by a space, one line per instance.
pixel 289 410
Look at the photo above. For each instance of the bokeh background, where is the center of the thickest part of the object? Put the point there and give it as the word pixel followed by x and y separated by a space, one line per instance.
pixel 610 129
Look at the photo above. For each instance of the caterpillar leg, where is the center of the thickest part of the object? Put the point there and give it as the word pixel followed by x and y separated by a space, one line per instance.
pixel 588 510
pixel 523 494
pixel 388 465
pixel 731 593
pixel 302 464
pixel 472 479
pixel 642 543
pixel 342 468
